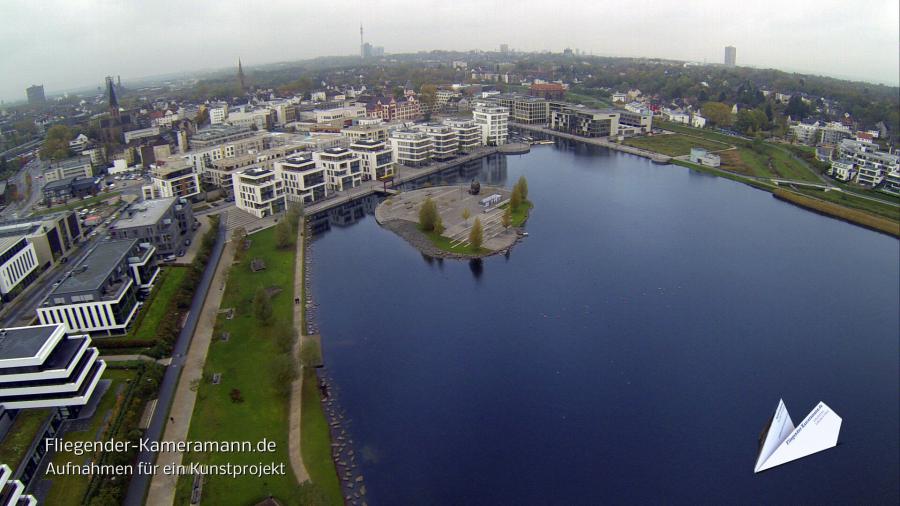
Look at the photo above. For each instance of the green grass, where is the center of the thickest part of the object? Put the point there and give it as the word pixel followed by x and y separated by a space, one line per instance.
pixel 70 489
pixel 885 210
pixel 445 244
pixel 75 204
pixel 673 144
pixel 315 440
pixel 157 306
pixel 24 429
pixel 520 215
pixel 856 216
pixel 241 361
pixel 700 132
pixel 588 100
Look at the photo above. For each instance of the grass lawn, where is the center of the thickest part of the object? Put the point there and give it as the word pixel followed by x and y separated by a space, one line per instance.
pixel 241 361
pixel 315 440
pixel 888 211
pixel 520 215
pixel 25 427
pixel 827 207
pixel 79 203
pixel 157 306
pixel 673 144
pixel 70 489
pixel 700 132
pixel 445 243
pixel 588 100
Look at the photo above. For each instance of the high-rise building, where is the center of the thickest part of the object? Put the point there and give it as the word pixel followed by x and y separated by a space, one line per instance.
pixel 730 56
pixel 35 94
pixel 504 48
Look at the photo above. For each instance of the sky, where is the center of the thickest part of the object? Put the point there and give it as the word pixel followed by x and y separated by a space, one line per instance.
pixel 74 43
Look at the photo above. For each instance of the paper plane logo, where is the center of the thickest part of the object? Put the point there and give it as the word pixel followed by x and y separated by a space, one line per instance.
pixel 781 442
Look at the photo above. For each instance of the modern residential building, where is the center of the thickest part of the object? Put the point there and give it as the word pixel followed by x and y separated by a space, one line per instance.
pixel 100 294
pixel 258 191
pixel 73 187
pixel 40 367
pixel 806 133
pixel 35 94
pixel 494 122
pixel 467 132
pixel 376 157
pixel 53 236
pixel 411 148
pixel 585 122
pixel 70 167
pixel 343 168
pixel 366 131
pixel 531 110
pixel 871 164
pixel 175 178
pixel 842 170
pixel 219 134
pixel 13 491
pixel 19 265
pixel 304 181
pixel 166 223
pixel 444 140
pixel 634 122
pixel 730 56
pixel 831 134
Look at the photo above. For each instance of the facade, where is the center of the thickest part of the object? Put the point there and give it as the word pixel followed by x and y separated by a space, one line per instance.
pixel 376 157
pixel 166 223
pixel 390 109
pixel 832 134
pixel 13 491
pixel 533 110
pixel 494 122
pixel 35 94
pixel 872 165
pixel 53 236
pixel 40 367
pixel 343 168
pixel 217 113
pixel 585 122
pixel 730 56
pixel 467 132
pixel 372 131
pixel 806 133
pixel 842 170
pixel 340 114
pixel 18 265
pixel 70 167
pixel 304 181
pixel 258 192
pixel 703 157
pixel 174 179
pixel 444 140
pixel 100 293
pixel 634 122
pixel 62 190
pixel 411 148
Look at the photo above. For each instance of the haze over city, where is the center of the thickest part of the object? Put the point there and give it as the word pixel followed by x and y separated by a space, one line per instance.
pixel 67 45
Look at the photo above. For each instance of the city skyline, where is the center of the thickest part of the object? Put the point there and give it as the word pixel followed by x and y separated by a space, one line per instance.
pixel 201 37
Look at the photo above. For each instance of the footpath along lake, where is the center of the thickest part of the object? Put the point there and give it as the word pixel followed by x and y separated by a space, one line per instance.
pixel 630 350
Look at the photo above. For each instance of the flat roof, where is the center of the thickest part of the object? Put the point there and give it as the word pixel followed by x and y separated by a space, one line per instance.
pixel 62 183
pixel 147 212
pixel 90 273
pixel 8 241
pixel 24 342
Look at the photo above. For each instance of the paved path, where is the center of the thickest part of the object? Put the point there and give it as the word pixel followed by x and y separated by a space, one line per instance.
pixel 597 141
pixel 297 387
pixel 162 486
pixel 139 484
pixel 132 358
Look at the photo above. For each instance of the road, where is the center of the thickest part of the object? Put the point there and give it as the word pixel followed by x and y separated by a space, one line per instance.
pixel 137 489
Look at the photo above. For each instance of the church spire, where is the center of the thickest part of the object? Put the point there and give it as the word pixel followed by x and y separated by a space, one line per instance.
pixel 113 101
pixel 241 80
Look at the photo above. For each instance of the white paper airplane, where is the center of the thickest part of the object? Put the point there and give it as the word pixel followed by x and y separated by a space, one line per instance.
pixel 782 442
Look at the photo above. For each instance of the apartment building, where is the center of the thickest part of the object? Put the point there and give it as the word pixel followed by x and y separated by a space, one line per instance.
pixel 343 168
pixel 166 223
pixel 842 170
pixel 176 178
pixel 19 265
pixel 467 132
pixel 13 491
pixel 258 191
pixel 444 140
pixel 100 294
pixel 217 113
pixel 411 148
pixel 304 181
pixel 376 157
pixel 871 164
pixel 585 122
pixel 366 131
pixel 494 122
pixel 391 109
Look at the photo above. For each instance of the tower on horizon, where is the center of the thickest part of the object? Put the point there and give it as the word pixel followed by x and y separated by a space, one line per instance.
pixel 730 56
pixel 240 76
pixel 113 100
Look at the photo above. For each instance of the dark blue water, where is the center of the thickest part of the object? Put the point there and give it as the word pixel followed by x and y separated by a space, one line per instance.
pixel 630 350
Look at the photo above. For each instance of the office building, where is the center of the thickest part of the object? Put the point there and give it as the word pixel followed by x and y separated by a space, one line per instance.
pixel 35 94
pixel 730 56
pixel 53 236
pixel 100 294
pixel 166 223
pixel 525 109
pixel 258 192
pixel 304 181
pixel 18 265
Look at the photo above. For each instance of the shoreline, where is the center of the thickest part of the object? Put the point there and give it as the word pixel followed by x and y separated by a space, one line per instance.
pixel 410 233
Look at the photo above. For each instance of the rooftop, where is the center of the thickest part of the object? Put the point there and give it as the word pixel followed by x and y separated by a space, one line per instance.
pixel 145 213
pixel 24 342
pixel 9 241
pixel 90 273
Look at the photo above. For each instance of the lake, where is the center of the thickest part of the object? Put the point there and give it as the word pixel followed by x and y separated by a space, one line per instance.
pixel 630 350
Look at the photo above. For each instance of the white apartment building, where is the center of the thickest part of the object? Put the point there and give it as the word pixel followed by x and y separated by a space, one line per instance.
pixel 18 265
pixel 174 179
pixel 14 490
pixel 258 192
pixel 377 159
pixel 444 140
pixel 494 121
pixel 375 131
pixel 467 132
pixel 343 168
pixel 871 164
pixel 304 181
pixel 842 170
pixel 217 113
pixel 41 368
pixel 411 148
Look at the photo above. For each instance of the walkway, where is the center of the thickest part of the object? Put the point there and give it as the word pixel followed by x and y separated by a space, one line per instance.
pixel 162 486
pixel 597 141
pixel 297 387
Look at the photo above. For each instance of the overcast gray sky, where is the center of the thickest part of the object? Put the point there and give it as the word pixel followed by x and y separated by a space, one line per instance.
pixel 66 44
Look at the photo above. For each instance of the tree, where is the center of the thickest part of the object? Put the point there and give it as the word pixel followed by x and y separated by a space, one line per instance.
pixel 262 306
pixel 717 113
pixel 466 213
pixel 238 237
pixel 476 235
pixel 285 338
pixel 522 185
pixel 284 235
pixel 294 213
pixel 428 98
pixel 797 108
pixel 515 200
pixel 56 143
pixel 428 215
pixel 285 369
pixel 507 217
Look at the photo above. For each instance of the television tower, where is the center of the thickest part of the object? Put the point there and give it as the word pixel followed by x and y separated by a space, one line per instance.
pixel 362 46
